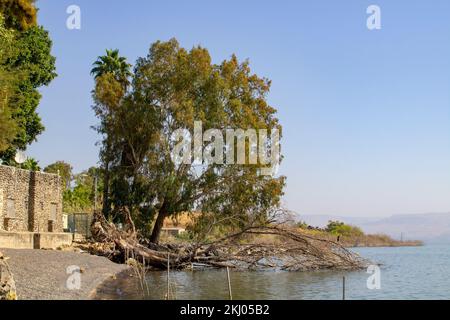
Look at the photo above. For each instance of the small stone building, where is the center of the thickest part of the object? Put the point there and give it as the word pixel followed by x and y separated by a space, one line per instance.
pixel 30 207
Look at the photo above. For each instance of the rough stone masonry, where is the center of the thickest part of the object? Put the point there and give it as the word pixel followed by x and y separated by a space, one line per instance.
pixel 30 201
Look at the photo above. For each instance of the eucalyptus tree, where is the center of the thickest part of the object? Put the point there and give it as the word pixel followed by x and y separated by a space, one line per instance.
pixel 172 89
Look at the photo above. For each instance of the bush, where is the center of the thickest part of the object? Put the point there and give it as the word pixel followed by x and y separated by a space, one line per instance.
pixel 342 229
pixel 302 225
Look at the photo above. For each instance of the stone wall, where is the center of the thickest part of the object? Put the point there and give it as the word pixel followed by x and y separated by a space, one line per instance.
pixel 30 201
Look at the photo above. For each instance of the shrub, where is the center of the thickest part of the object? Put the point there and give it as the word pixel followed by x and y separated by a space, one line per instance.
pixel 342 229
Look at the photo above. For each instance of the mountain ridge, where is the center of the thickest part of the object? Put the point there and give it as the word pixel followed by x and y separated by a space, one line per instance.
pixel 428 227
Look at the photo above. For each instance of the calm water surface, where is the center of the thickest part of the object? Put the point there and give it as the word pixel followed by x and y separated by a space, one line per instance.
pixel 406 273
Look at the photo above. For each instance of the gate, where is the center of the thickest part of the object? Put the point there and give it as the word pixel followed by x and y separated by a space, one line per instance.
pixel 80 223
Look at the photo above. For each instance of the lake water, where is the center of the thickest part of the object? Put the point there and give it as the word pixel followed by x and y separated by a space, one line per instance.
pixel 406 273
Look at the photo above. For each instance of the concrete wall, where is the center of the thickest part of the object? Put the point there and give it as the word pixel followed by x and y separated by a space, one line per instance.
pixel 31 240
pixel 51 240
pixel 34 198
pixel 17 240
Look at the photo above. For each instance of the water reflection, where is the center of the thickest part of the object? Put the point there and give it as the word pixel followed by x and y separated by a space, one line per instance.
pixel 212 285
pixel 406 273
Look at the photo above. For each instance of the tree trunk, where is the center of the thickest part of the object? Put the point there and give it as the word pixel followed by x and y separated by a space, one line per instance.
pixel 154 238
pixel 106 207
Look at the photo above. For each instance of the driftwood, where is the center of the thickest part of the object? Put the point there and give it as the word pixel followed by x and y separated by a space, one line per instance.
pixel 7 284
pixel 296 251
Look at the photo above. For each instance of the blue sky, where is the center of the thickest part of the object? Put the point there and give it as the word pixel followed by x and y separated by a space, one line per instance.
pixel 366 114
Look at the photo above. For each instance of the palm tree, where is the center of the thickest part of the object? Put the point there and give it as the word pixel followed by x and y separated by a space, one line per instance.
pixel 118 66
pixel 112 63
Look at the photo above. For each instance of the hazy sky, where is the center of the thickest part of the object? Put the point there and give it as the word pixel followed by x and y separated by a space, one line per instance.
pixel 366 114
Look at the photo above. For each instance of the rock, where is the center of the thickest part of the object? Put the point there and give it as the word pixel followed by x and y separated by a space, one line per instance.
pixel 7 284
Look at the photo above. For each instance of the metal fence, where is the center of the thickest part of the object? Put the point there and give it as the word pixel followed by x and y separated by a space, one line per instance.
pixel 80 223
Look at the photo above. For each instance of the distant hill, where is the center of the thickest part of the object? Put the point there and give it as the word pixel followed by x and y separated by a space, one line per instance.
pixel 431 227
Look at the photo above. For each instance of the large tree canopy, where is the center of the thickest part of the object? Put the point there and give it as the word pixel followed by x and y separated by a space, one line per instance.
pixel 171 89
pixel 19 14
pixel 32 61
pixel 8 127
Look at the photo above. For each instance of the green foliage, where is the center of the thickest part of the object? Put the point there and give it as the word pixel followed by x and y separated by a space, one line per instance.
pixel 32 62
pixel 64 170
pixel 20 14
pixel 302 225
pixel 78 189
pixel 111 73
pixel 185 236
pixel 172 88
pixel 342 229
pixel 114 64
pixel 31 164
pixel 81 197
pixel 8 127
pixel 78 199
pixel 34 56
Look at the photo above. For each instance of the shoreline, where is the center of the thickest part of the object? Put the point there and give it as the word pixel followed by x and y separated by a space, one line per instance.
pixel 384 246
pixel 50 275
pixel 363 240
pixel 45 274
pixel 107 290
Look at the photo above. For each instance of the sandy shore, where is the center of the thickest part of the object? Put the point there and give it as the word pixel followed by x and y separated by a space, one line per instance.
pixel 44 275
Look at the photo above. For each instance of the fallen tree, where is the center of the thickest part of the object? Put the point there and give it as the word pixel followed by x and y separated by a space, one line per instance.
pixel 295 251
